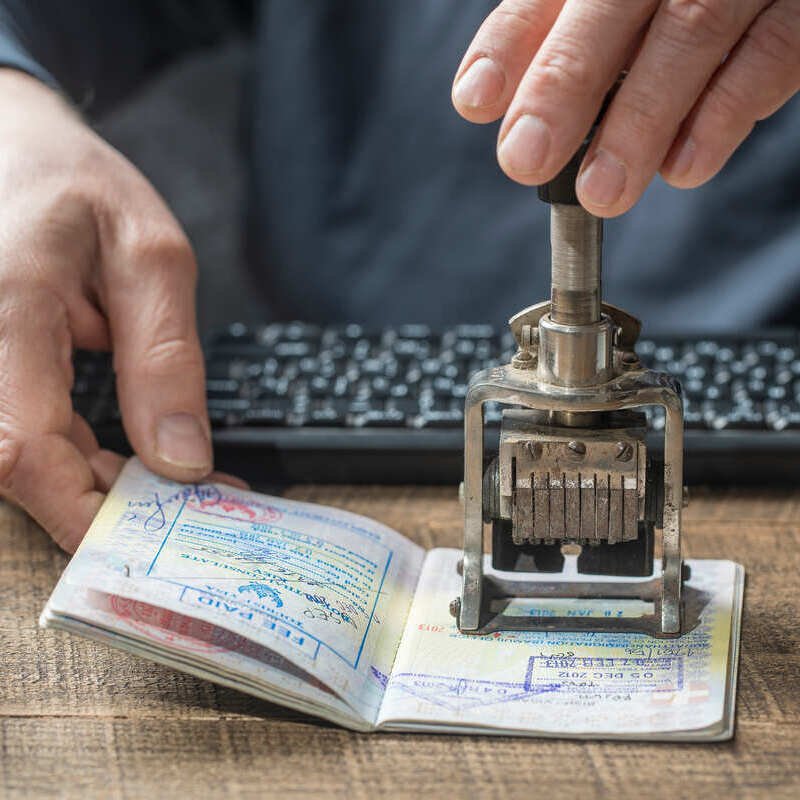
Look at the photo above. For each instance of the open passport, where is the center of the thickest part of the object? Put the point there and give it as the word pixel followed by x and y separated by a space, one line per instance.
pixel 339 616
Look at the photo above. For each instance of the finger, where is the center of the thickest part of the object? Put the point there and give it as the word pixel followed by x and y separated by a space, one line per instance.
pixel 499 55
pixel 106 467
pixel 83 436
pixel 685 44
pixel 157 356
pixel 759 76
pixel 227 478
pixel 105 464
pixel 563 89
pixel 41 468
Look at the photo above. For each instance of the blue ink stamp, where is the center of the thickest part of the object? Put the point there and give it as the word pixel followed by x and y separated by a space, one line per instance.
pixel 262 591
pixel 606 676
pixel 463 694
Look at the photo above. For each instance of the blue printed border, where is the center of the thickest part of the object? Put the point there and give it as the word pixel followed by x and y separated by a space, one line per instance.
pixel 320 642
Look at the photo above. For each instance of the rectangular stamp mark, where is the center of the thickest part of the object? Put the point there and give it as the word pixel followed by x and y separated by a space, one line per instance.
pixel 604 676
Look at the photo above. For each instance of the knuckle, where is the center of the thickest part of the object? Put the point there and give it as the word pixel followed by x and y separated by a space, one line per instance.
pixel 515 15
pixel 522 13
pixel 726 102
pixel 27 299
pixel 774 40
pixel 640 111
pixel 168 248
pixel 24 416
pixel 96 163
pixel 563 66
pixel 44 230
pixel 170 356
pixel 159 248
pixel 701 20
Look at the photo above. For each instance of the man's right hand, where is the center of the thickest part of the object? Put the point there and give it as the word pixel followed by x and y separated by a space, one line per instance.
pixel 90 257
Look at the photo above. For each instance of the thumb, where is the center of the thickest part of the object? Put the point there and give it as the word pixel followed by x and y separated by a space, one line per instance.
pixel 150 297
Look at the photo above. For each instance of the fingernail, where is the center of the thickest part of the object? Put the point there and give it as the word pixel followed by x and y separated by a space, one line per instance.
pixel 681 164
pixel 181 440
pixel 602 181
pixel 481 85
pixel 524 149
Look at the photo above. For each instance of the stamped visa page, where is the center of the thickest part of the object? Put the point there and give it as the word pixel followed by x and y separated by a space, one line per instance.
pixel 326 589
pixel 194 646
pixel 561 683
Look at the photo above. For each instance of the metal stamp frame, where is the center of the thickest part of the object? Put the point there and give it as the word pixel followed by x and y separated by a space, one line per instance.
pixel 520 387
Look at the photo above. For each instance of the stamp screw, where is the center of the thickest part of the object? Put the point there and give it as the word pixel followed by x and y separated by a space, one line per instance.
pixel 578 449
pixel 534 449
pixel 630 360
pixel 624 451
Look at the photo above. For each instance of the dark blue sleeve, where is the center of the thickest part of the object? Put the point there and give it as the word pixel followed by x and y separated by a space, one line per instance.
pixel 97 50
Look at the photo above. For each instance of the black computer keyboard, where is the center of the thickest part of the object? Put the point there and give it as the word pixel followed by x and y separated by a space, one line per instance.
pixel 298 402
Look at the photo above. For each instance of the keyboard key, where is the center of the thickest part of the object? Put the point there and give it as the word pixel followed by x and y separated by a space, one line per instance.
pixel 399 390
pixel 325 417
pixel 706 347
pixel 222 387
pixel 388 418
pixel 319 386
pixel 663 354
pixel 229 405
pixel 645 348
pixel 414 332
pixel 265 416
pixel 372 366
pixel 443 386
pixel 410 348
pixel 380 387
pixel 452 418
pixel 237 333
pixel 725 355
pixel 218 417
pixel 293 349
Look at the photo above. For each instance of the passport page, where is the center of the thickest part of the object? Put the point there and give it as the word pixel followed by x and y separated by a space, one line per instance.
pixel 594 685
pixel 246 589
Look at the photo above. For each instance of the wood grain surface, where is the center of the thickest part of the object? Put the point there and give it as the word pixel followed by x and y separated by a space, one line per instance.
pixel 81 720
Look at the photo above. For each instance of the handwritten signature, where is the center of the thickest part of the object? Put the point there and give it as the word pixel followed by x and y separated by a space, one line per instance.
pixel 203 493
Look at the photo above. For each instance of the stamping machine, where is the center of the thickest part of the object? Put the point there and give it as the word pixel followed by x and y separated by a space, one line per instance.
pixel 573 473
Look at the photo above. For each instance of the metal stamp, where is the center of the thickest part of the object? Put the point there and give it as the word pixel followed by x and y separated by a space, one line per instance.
pixel 572 468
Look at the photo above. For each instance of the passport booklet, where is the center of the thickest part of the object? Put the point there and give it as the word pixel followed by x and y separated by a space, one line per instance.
pixel 339 616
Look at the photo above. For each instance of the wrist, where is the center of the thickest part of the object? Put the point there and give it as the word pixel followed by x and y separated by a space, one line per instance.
pixel 22 91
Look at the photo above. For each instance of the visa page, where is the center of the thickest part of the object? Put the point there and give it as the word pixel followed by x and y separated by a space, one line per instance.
pixel 323 593
pixel 196 647
pixel 566 684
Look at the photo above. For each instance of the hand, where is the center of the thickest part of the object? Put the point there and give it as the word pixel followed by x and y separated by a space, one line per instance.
pixel 90 257
pixel 701 74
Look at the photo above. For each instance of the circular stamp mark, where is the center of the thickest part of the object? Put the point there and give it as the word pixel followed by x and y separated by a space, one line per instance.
pixel 171 628
pixel 238 508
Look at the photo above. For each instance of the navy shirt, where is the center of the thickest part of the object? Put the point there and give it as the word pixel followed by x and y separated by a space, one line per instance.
pixel 371 200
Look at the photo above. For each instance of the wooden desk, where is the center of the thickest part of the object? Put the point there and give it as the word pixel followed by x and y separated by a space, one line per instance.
pixel 81 720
